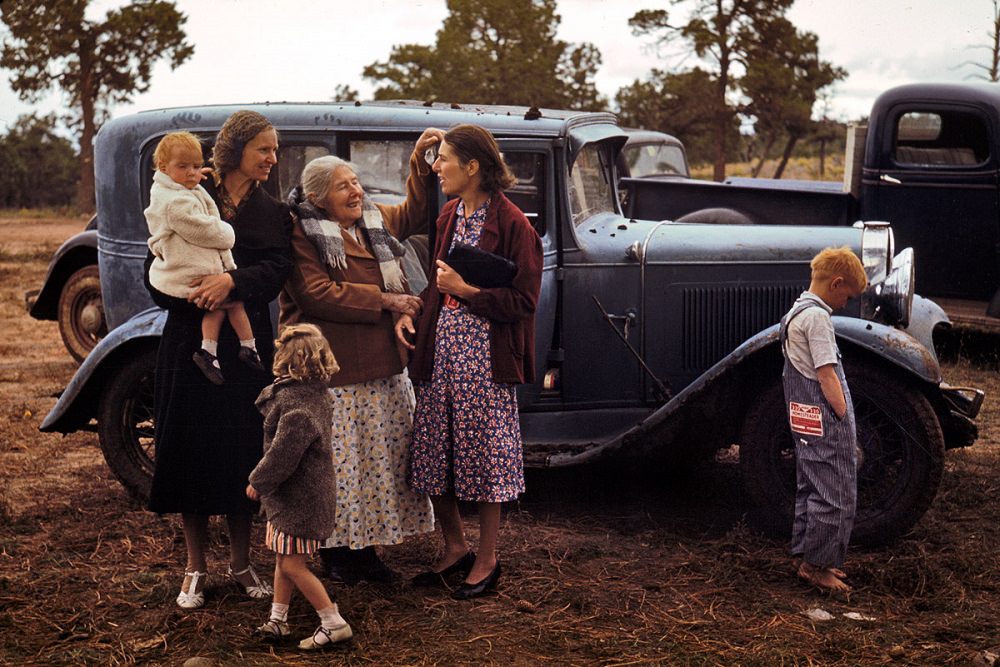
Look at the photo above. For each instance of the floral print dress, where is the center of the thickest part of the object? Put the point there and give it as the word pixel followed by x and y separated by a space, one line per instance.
pixel 372 423
pixel 466 433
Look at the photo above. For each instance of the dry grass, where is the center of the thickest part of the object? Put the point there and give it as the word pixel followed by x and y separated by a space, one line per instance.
pixel 602 566
pixel 802 168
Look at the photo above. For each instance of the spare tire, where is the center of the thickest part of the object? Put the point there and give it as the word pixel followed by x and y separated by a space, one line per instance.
pixel 716 216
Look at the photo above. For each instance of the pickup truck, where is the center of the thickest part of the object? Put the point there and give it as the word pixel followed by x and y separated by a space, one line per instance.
pixel 655 340
pixel 927 163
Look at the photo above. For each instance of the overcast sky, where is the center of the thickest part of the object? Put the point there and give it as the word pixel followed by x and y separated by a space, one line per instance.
pixel 263 50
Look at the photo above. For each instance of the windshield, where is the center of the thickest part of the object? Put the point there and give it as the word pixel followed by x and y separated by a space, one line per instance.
pixel 590 186
pixel 654 160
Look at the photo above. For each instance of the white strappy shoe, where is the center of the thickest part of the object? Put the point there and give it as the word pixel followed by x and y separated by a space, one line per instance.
pixel 341 633
pixel 273 630
pixel 189 599
pixel 258 590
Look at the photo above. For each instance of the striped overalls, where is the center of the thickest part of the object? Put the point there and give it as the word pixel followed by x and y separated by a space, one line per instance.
pixel 826 462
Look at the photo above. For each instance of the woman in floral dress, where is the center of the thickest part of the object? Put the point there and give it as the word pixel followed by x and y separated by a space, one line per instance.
pixel 472 345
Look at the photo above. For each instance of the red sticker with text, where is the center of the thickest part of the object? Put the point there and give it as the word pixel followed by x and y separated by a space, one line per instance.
pixel 805 419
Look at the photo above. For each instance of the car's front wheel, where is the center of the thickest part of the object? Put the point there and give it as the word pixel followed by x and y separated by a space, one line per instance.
pixel 900 461
pixel 125 423
pixel 81 312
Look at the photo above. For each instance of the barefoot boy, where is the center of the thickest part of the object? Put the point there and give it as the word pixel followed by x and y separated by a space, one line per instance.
pixel 822 419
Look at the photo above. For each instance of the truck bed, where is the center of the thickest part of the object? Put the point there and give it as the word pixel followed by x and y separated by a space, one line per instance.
pixel 766 202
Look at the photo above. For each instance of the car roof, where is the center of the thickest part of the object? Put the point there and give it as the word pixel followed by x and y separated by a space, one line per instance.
pixel 637 136
pixel 389 115
pixel 973 93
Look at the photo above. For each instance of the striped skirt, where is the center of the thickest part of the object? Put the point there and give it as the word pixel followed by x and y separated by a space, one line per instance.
pixel 288 545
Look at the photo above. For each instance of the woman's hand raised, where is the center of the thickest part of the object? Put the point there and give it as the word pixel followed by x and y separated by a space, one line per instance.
pixel 405 331
pixel 428 139
pixel 407 304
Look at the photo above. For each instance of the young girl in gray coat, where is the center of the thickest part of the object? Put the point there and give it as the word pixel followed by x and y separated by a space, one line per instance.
pixel 295 480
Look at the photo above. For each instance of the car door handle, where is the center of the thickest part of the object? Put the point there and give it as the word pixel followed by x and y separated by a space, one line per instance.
pixel 886 178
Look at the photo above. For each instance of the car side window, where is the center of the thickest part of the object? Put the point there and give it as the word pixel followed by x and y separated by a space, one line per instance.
pixel 383 167
pixel 292 158
pixel 529 191
pixel 941 139
pixel 590 190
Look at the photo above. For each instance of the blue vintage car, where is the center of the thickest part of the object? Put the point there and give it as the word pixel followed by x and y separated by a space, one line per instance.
pixel 654 338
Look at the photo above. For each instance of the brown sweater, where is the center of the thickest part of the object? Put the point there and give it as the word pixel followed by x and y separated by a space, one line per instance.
pixel 296 478
pixel 346 304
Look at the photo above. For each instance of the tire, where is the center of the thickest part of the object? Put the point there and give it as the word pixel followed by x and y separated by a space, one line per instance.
pixel 81 312
pixel 125 423
pixel 899 465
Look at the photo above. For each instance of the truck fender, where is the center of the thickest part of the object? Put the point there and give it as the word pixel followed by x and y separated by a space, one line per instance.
pixel 904 349
pixel 76 252
pixel 77 404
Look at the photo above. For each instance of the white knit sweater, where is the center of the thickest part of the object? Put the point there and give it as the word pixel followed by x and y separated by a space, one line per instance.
pixel 187 237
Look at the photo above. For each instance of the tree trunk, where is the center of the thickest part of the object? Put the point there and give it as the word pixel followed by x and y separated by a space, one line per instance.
pixel 85 202
pixel 822 158
pixel 762 158
pixel 789 147
pixel 721 124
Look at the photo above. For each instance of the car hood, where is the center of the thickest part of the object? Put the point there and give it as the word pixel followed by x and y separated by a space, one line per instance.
pixel 613 238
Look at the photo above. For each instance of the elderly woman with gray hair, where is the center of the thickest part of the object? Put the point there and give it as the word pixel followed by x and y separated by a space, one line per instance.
pixel 347 280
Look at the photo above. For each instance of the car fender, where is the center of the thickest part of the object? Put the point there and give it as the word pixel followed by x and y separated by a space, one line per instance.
pixel 77 404
pixel 904 349
pixel 76 252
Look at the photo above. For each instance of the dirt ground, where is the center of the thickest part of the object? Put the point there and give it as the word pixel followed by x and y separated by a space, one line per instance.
pixel 601 566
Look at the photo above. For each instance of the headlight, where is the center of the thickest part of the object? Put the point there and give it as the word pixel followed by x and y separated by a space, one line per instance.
pixel 891 299
pixel 876 250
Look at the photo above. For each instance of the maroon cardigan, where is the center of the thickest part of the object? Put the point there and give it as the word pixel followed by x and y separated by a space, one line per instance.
pixel 511 310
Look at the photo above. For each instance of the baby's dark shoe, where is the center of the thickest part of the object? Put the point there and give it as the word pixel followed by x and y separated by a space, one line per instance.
pixel 209 365
pixel 250 358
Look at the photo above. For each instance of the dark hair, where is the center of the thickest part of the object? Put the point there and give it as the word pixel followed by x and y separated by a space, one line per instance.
pixel 471 142
pixel 238 130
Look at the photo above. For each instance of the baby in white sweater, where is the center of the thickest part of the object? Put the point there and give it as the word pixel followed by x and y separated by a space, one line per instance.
pixel 189 241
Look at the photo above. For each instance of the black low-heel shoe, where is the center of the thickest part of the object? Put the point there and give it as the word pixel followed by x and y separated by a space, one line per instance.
pixel 432 578
pixel 469 591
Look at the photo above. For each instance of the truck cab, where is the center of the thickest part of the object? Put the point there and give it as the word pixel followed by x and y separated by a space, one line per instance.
pixel 931 169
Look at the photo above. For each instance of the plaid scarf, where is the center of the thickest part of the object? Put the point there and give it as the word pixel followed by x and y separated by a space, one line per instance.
pixel 328 238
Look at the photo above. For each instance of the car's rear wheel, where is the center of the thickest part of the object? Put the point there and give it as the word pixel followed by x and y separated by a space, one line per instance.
pixel 900 461
pixel 125 423
pixel 81 312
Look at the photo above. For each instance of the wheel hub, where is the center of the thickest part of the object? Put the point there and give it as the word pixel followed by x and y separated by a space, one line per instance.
pixel 91 318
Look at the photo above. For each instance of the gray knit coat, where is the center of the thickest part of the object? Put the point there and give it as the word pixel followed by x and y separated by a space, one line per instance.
pixel 296 478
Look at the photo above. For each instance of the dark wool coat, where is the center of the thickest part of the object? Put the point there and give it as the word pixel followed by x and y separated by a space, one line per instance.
pixel 511 310
pixel 296 478
pixel 209 437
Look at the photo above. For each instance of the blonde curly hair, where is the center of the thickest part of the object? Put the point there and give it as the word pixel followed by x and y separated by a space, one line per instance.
pixel 172 144
pixel 302 353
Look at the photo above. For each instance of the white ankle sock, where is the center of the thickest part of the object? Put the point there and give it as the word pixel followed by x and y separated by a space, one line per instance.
pixel 279 612
pixel 330 617
pixel 251 343
pixel 210 346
